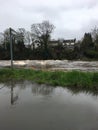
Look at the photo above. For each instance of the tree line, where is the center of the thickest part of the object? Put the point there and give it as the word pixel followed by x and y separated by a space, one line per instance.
pixel 36 45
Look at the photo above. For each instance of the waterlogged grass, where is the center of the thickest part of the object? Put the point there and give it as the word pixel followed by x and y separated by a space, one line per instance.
pixel 73 79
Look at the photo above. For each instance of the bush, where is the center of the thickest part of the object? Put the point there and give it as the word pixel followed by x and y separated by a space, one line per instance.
pixel 91 54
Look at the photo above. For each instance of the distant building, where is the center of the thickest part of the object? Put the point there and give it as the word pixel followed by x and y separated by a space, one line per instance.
pixel 33 45
pixel 66 43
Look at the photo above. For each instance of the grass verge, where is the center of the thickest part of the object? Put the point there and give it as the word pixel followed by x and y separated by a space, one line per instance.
pixel 73 79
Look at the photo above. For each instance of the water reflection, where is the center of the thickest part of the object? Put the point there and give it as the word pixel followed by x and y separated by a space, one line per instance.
pixel 36 89
pixel 14 97
pixel 41 90
pixel 46 89
pixel 26 105
pixel 90 90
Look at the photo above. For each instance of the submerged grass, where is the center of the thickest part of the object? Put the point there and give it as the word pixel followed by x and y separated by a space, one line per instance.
pixel 72 79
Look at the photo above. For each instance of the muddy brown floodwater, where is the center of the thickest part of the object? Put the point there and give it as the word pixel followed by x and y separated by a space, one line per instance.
pixel 54 65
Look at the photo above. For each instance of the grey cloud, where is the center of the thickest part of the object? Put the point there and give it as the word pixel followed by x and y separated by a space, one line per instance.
pixel 71 19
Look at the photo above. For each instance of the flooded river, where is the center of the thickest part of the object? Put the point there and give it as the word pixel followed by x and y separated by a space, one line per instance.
pixel 54 65
pixel 29 106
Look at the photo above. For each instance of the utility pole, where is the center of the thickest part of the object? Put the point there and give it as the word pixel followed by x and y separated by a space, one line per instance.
pixel 14 34
pixel 11 47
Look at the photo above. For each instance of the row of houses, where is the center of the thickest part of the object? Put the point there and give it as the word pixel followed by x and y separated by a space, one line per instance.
pixel 70 43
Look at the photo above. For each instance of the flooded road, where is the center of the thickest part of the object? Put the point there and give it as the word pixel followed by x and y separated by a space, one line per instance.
pixel 29 106
pixel 54 65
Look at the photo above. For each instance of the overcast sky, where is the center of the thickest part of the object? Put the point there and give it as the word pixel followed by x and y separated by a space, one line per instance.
pixel 71 17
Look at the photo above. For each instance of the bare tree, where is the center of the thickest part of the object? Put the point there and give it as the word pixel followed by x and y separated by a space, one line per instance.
pixel 1 38
pixel 95 35
pixel 21 34
pixel 28 37
pixel 41 32
pixel 6 38
pixel 24 36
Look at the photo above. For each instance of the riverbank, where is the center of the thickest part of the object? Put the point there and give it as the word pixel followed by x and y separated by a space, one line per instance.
pixel 71 79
